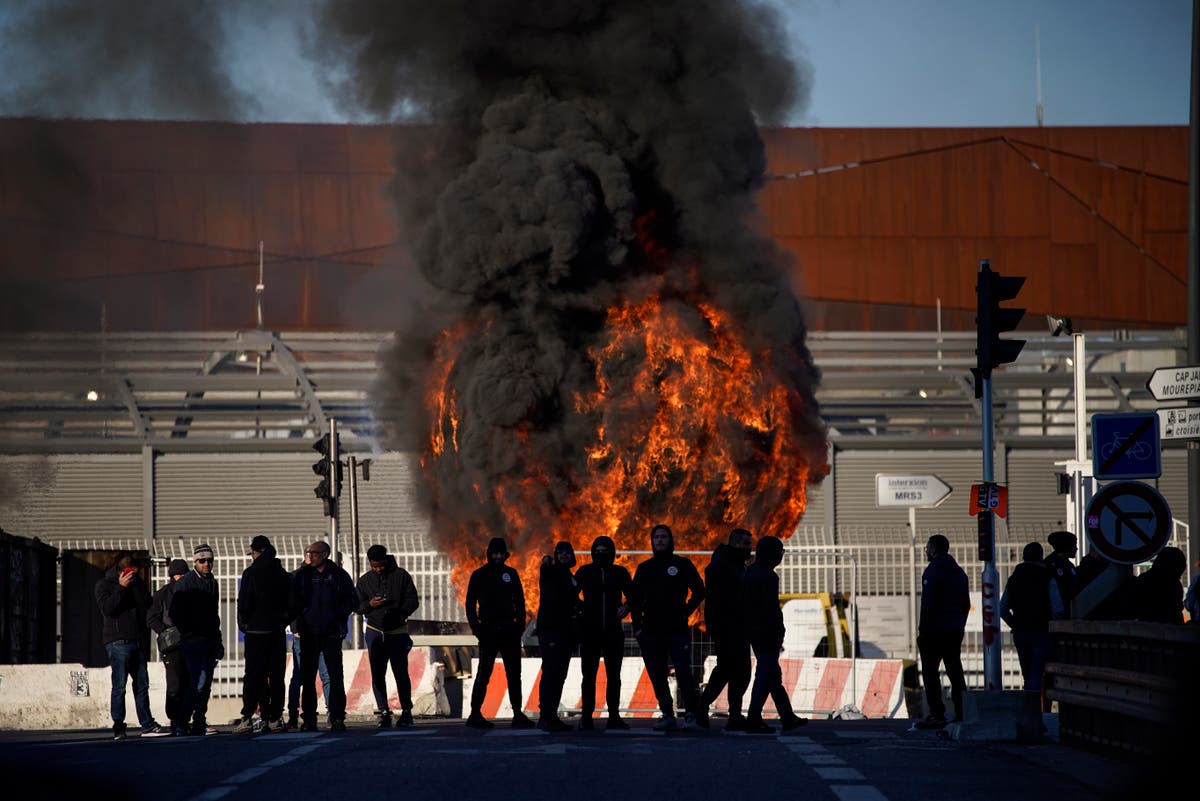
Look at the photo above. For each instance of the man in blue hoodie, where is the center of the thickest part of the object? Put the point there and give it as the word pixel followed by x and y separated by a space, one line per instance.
pixel 667 589
pixel 945 604
pixel 262 611
pixel 387 597
pixel 323 597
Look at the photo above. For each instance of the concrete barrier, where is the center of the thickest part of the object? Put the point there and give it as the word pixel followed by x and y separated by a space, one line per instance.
pixel 820 687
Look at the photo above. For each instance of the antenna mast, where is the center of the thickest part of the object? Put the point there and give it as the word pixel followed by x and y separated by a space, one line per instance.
pixel 1037 48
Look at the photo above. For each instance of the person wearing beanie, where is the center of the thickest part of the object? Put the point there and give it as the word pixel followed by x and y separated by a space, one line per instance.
pixel 387 597
pixel 195 609
pixel 765 630
pixel 323 597
pixel 262 612
pixel 1029 602
pixel 124 602
pixel 159 620
pixel 726 624
pixel 495 607
pixel 557 619
pixel 667 589
pixel 606 589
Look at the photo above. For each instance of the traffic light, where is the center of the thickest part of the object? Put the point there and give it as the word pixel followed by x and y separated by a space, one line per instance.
pixel 329 468
pixel 992 320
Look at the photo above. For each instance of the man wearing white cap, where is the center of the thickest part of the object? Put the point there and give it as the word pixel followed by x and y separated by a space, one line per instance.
pixel 194 608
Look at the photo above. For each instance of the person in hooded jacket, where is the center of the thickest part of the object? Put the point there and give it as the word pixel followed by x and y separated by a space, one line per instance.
pixel 557 622
pixel 667 589
pixel 195 604
pixel 262 612
pixel 945 604
pixel 1156 595
pixel 606 589
pixel 495 607
pixel 124 601
pixel 1029 602
pixel 159 620
pixel 725 620
pixel 763 619
pixel 387 597
pixel 322 598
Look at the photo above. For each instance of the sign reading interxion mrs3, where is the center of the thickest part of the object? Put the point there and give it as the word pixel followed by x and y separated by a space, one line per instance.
pixel 919 491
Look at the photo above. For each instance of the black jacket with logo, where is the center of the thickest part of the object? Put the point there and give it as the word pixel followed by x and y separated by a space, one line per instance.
pixel 606 588
pixel 495 602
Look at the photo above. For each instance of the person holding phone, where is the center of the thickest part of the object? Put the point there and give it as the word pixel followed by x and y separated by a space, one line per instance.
pixel 387 597
pixel 124 600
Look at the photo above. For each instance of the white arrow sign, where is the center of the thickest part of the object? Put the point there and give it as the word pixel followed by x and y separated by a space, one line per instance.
pixel 920 492
pixel 1179 423
pixel 1175 383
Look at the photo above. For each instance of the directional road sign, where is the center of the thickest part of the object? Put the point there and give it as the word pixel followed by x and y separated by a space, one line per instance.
pixel 1125 445
pixel 1128 522
pixel 1175 383
pixel 1183 423
pixel 919 492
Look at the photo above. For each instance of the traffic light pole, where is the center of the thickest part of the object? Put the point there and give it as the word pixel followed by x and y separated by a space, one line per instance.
pixel 992 677
pixel 334 456
pixel 356 636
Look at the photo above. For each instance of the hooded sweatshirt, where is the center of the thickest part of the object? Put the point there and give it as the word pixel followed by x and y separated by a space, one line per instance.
pixel 262 604
pixel 396 586
pixel 763 615
pixel 723 614
pixel 666 590
pixel 558 610
pixel 606 588
pixel 495 603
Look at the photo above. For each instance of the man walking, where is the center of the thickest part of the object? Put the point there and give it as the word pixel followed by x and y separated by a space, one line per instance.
pixel 159 620
pixel 194 609
pixel 387 597
pixel 495 607
pixel 1029 602
pixel 765 630
pixel 124 601
pixel 945 604
pixel 262 611
pixel 725 619
pixel 606 589
pixel 557 618
pixel 323 596
pixel 667 589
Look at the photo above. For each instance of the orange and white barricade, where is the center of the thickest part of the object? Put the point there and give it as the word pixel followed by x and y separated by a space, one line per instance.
pixel 637 696
pixel 427 677
pixel 819 687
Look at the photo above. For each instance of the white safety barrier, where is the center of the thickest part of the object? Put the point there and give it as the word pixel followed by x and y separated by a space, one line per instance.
pixel 637 696
pixel 819 687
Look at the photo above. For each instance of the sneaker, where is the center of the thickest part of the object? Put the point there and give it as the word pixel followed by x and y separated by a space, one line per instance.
pixel 931 722
pixel 155 730
pixel 521 721
pixel 553 724
pixel 293 720
pixel 337 725
pixel 119 731
pixel 616 722
pixel 308 725
pixel 405 721
pixel 735 723
pixel 278 727
pixel 586 724
pixel 478 721
pixel 758 726
pixel 202 729
pixel 259 726
pixel 667 724
pixel 180 731
pixel 689 722
pixel 383 721
pixel 792 723
pixel 244 726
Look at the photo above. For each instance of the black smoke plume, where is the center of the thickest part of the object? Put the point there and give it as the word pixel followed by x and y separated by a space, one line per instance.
pixel 574 155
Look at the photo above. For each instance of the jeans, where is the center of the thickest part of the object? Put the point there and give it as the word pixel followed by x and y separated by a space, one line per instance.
pixel 262 684
pixel 312 650
pixel 611 646
pixel 199 659
pixel 294 686
pixel 382 650
pixel 127 658
pixel 509 648
pixel 656 649
pixel 1033 648
pixel 936 648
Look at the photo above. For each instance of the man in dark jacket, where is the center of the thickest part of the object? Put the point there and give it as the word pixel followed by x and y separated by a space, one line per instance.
pixel 945 604
pixel 606 589
pixel 557 621
pixel 159 620
pixel 262 611
pixel 1156 595
pixel 725 620
pixel 387 597
pixel 124 601
pixel 495 607
pixel 1062 568
pixel 763 621
pixel 667 589
pixel 323 597
pixel 194 609
pixel 1029 602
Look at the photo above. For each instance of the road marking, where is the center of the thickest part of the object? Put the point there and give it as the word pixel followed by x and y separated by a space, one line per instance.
pixel 247 774
pixel 405 733
pixel 822 759
pixel 840 774
pixel 230 784
pixel 280 760
pixel 857 792
pixel 213 793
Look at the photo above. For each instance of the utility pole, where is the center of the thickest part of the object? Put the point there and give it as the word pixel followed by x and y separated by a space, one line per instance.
pixel 1193 239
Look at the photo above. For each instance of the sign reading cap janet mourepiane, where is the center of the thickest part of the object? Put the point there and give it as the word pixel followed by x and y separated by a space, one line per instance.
pixel 1128 522
pixel 910 490
pixel 1175 383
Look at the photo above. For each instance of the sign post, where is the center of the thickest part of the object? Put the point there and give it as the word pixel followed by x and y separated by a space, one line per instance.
pixel 914 492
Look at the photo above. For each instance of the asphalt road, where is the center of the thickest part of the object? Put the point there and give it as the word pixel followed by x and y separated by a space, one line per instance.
pixel 828 760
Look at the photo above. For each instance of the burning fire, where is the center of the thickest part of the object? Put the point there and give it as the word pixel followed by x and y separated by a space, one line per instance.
pixel 686 425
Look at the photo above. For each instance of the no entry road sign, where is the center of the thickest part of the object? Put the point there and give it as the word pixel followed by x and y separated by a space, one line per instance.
pixel 1128 522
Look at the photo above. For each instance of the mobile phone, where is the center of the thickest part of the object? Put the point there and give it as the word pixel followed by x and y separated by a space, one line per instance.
pixel 128 570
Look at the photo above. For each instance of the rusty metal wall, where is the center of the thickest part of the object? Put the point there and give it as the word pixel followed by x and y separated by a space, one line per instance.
pixel 156 225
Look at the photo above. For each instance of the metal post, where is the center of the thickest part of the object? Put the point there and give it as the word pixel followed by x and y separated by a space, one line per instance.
pixel 912 581
pixel 1081 484
pixel 356 636
pixel 334 456
pixel 1193 272
pixel 992 673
